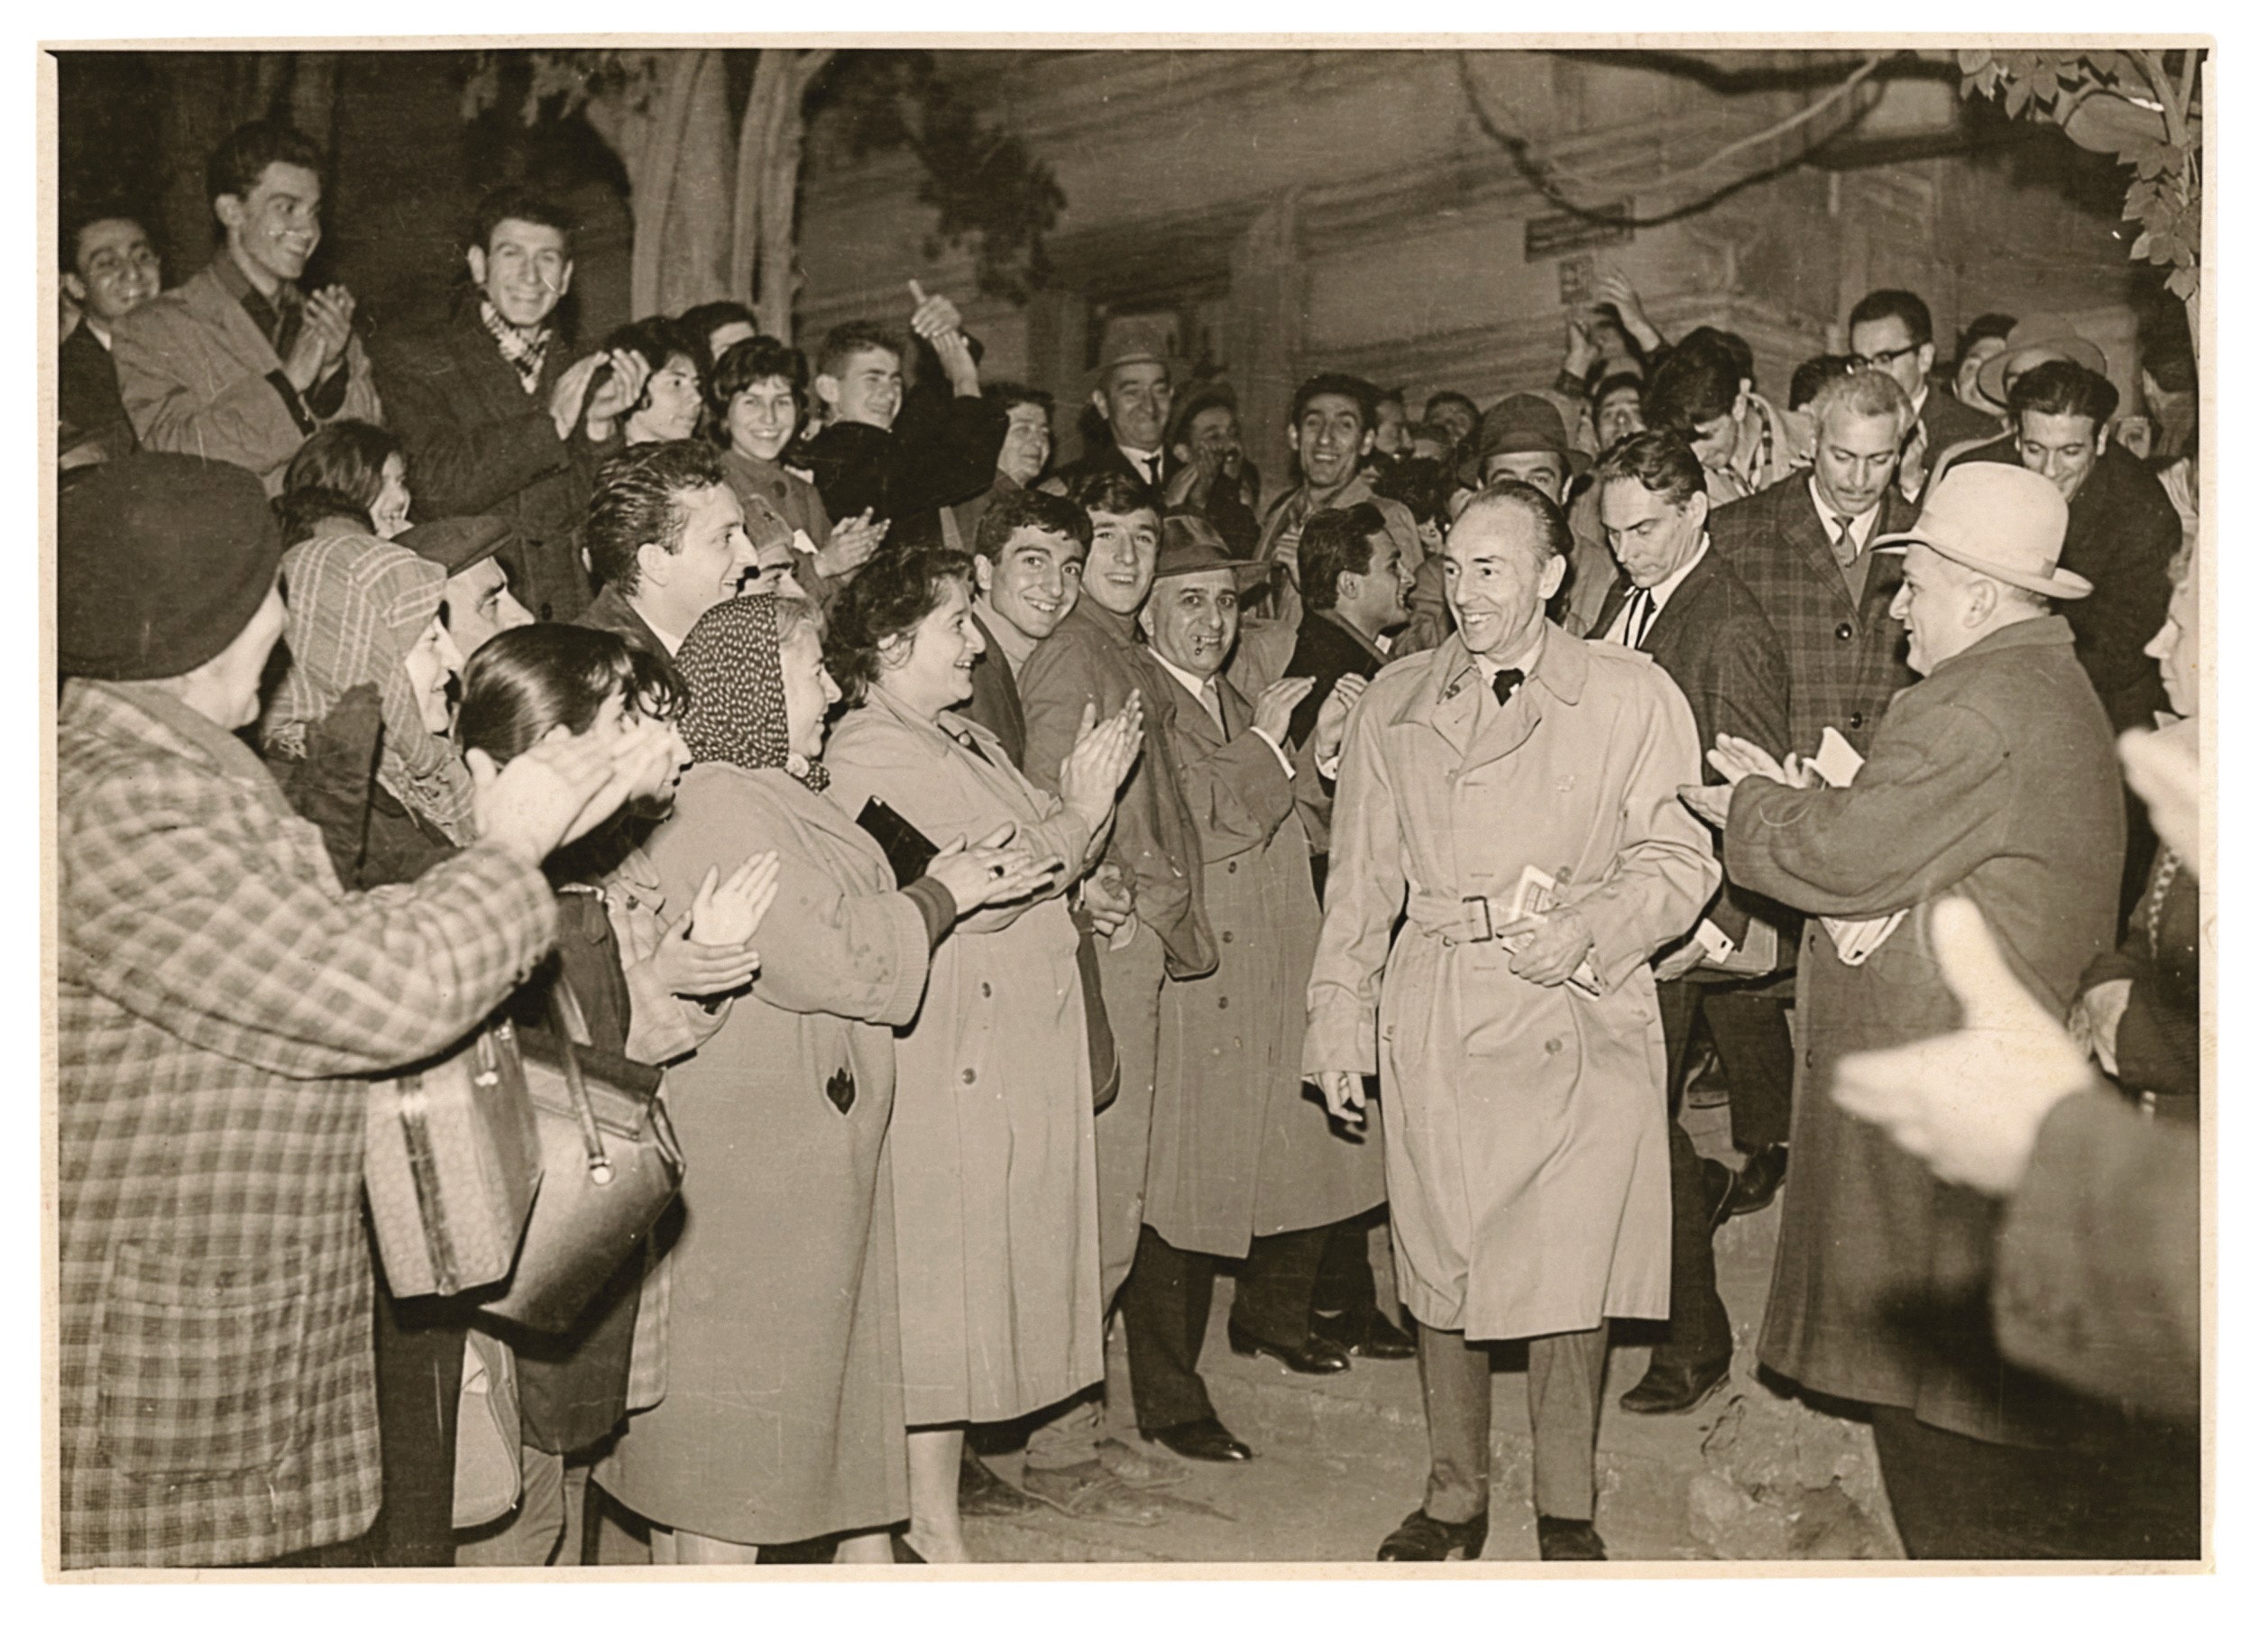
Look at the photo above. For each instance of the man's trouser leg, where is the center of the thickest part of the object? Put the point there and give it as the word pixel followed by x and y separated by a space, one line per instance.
pixel 1344 1282
pixel 1169 1298
pixel 1133 978
pixel 1275 1286
pixel 1567 1373
pixel 1750 1029
pixel 1454 1377
pixel 1699 1331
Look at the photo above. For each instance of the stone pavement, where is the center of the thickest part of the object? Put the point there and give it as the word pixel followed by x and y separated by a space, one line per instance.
pixel 1750 1474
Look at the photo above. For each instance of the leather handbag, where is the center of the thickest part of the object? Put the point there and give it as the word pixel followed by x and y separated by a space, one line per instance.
pixel 450 1160
pixel 610 1167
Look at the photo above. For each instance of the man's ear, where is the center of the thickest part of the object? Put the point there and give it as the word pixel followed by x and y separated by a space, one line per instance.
pixel 1344 590
pixel 229 210
pixel 1926 355
pixel 566 278
pixel 2102 439
pixel 76 286
pixel 482 767
pixel 1292 437
pixel 654 564
pixel 828 389
pixel 1101 404
pixel 1554 574
pixel 984 574
pixel 1370 439
pixel 1143 617
pixel 476 262
pixel 1697 508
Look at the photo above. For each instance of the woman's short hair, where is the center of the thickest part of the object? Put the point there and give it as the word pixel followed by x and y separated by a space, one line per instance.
pixel 526 681
pixel 888 599
pixel 349 457
pixel 751 362
pixel 656 339
pixel 302 509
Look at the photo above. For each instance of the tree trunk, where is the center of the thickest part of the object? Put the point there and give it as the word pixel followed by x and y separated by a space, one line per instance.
pixel 650 181
pixel 770 164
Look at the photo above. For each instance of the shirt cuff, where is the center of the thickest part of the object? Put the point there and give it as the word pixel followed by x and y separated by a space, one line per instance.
pixel 1283 761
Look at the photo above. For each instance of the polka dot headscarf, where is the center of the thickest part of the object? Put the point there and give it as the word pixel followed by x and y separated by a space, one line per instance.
pixel 739 712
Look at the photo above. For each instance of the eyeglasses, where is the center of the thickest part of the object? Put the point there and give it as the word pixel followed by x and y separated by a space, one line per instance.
pixel 1883 358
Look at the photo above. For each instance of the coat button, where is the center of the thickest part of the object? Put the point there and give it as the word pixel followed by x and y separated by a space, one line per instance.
pixel 1224 1002
pixel 1858 720
pixel 1843 631
pixel 985 989
pixel 1228 937
pixel 1232 866
pixel 1551 1047
pixel 967 1076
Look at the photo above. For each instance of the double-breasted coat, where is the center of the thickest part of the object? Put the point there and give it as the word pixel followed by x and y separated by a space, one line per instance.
pixel 1526 1154
pixel 1238 1150
pixel 781 1418
pixel 993 1142
pixel 1993 779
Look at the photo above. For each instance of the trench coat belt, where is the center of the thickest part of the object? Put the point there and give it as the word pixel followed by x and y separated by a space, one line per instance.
pixel 1475 919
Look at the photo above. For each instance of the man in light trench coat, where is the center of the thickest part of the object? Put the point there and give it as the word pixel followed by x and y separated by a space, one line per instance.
pixel 1527 1150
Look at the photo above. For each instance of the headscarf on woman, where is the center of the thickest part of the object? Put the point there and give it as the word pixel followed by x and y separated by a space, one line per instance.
pixel 731 662
pixel 357 607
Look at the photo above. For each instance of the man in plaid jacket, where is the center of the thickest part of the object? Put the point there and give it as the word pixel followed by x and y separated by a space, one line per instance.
pixel 218 998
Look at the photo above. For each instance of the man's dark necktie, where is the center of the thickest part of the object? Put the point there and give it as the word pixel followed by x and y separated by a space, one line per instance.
pixel 1506 682
pixel 1846 549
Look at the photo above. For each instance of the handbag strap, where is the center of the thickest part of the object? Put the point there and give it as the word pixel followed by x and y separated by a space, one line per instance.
pixel 566 1015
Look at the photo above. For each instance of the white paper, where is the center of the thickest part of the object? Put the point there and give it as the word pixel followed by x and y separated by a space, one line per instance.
pixel 1838 763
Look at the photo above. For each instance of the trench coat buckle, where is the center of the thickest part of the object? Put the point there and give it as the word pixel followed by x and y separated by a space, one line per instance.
pixel 1478 925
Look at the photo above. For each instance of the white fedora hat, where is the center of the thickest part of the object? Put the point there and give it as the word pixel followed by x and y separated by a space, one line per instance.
pixel 2002 520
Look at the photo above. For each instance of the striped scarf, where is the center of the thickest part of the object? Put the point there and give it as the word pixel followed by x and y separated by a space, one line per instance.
pixel 524 351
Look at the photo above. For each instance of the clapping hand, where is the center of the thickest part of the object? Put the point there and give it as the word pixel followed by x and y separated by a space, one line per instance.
pixel 708 949
pixel 1331 720
pixel 992 870
pixel 1969 1104
pixel 851 542
pixel 1737 759
pixel 1096 764
pixel 1550 947
pixel 567 394
pixel 327 326
pixel 1273 714
pixel 619 391
pixel 562 788
pixel 1712 803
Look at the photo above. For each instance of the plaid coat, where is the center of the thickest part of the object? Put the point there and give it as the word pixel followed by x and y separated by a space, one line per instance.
pixel 216 995
pixel 1844 660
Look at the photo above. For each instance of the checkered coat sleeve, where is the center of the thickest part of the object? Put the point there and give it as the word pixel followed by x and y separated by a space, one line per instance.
pixel 216 995
pixel 1845 661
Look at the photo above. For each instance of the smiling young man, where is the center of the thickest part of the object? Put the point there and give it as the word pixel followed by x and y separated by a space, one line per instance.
pixel 238 363
pixel 109 269
pixel 1514 747
pixel 1030 552
pixel 1330 434
pixel 1133 396
pixel 667 540
pixel 494 415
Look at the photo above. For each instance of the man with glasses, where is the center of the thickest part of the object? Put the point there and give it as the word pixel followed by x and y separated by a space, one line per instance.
pixel 1890 332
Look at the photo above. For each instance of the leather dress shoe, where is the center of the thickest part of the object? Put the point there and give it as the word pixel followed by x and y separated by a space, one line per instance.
pixel 1316 1355
pixel 1369 1333
pixel 984 1496
pixel 1422 1537
pixel 1676 1388
pixel 1759 1180
pixel 1203 1439
pixel 1558 1538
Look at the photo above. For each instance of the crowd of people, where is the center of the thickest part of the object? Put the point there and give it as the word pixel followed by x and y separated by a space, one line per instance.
pixel 1050 887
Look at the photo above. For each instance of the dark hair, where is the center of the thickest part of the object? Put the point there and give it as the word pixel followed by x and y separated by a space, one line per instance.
pixel 1336 540
pixel 697 322
pixel 1696 384
pixel 1550 519
pixel 1456 398
pixel 1660 460
pixel 1609 382
pixel 237 165
pixel 526 681
pixel 76 226
pixel 349 457
pixel 2171 366
pixel 301 508
pixel 1810 377
pixel 1421 485
pixel 1727 344
pixel 751 362
pixel 634 502
pixel 1027 509
pixel 1359 390
pixel 1992 324
pixel 517 203
pixel 2060 389
pixel 847 339
pixel 1885 303
pixel 1202 397
pixel 656 339
pixel 1005 395
pixel 888 599
pixel 1115 492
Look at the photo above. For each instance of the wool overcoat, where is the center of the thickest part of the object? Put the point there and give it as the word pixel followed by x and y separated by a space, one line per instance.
pixel 993 1140
pixel 1993 779
pixel 781 1418
pixel 1527 1150
pixel 1237 1148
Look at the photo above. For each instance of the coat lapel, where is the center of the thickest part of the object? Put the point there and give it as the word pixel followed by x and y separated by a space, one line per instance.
pixel 215 304
pixel 1801 528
